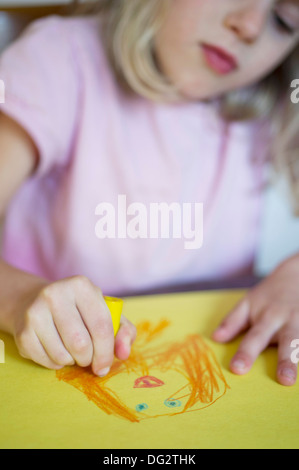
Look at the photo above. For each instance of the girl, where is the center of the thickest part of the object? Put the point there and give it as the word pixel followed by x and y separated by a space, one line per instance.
pixel 160 101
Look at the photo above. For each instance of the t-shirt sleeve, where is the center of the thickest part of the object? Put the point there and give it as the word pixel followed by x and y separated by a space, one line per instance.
pixel 42 88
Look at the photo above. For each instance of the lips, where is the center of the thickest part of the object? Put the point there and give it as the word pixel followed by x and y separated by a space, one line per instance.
pixel 218 59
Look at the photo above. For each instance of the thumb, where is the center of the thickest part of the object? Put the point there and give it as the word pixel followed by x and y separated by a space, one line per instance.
pixel 125 337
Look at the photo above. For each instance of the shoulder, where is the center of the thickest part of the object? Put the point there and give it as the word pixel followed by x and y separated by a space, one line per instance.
pixel 66 25
pixel 67 29
pixel 78 38
pixel 54 48
pixel 51 35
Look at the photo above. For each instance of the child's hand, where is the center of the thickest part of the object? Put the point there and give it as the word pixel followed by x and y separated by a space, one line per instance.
pixel 271 312
pixel 68 322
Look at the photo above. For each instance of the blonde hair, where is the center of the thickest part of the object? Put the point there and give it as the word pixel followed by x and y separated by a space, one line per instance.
pixel 128 31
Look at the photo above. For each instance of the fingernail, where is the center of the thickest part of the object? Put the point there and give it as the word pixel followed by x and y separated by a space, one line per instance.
pixel 288 373
pixel 127 341
pixel 220 329
pixel 103 372
pixel 238 364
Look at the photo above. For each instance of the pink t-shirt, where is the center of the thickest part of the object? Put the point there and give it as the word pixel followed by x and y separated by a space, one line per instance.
pixel 97 144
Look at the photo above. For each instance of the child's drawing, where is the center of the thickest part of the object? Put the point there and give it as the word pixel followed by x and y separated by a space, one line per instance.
pixel 159 379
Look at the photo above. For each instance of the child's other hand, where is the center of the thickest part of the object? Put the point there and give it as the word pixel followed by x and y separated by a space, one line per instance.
pixel 68 322
pixel 270 312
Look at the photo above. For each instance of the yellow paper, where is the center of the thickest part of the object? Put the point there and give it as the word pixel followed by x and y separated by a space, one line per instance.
pixel 176 390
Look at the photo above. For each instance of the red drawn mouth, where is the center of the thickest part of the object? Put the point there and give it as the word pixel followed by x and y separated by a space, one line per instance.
pixel 148 381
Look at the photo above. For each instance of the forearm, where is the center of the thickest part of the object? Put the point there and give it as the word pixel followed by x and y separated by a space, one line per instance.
pixel 16 289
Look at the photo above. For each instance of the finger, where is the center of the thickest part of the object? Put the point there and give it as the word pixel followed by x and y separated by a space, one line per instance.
pixel 287 363
pixel 255 341
pixel 31 348
pixel 73 332
pixel 97 318
pixel 125 337
pixel 51 341
pixel 234 323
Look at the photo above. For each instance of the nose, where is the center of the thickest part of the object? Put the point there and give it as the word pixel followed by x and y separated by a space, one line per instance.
pixel 248 21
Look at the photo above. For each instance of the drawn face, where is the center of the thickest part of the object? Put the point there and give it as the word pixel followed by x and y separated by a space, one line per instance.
pixel 257 34
pixel 163 393
pixel 158 379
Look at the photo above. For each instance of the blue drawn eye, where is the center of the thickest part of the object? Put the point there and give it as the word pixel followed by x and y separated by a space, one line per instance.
pixel 171 403
pixel 141 407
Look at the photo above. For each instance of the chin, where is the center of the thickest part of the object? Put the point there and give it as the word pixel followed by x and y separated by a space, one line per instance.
pixel 199 95
pixel 196 90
